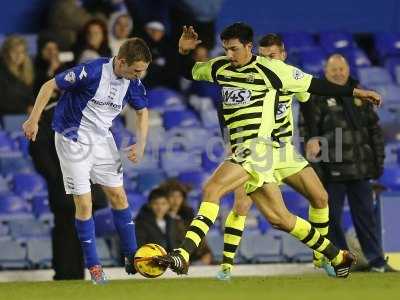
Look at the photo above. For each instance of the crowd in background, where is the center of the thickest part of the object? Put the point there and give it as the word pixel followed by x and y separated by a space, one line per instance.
pixel 78 31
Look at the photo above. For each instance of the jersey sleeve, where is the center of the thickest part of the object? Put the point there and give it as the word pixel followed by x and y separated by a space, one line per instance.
pixel 137 97
pixel 205 71
pixel 302 97
pixel 74 78
pixel 291 78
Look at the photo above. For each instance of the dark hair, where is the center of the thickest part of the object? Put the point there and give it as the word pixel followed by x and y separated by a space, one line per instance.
pixel 271 39
pixel 238 30
pixel 134 49
pixel 173 185
pixel 156 194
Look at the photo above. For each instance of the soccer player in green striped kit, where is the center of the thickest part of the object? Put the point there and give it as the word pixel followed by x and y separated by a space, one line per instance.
pixel 250 91
pixel 299 175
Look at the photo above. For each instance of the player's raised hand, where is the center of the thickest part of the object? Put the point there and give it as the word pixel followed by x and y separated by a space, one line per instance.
pixel 30 128
pixel 188 40
pixel 367 95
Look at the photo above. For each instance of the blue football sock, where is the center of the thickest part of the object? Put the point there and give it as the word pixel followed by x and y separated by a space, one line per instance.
pixel 126 230
pixel 86 235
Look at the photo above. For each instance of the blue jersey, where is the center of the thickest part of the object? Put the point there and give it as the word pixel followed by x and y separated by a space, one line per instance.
pixel 92 97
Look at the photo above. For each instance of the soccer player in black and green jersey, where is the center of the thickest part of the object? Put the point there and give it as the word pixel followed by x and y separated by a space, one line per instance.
pixel 295 172
pixel 250 86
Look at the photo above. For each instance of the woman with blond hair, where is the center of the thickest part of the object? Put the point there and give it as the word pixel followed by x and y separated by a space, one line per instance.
pixel 16 76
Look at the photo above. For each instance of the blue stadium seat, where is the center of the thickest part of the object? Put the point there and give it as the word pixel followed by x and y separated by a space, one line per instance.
pixel 13 207
pixel 195 179
pixel 41 208
pixel 313 60
pixel 103 251
pixel 149 180
pixel 356 57
pixel 387 43
pixel 392 154
pixel 20 142
pixel 209 118
pixel 391 63
pixel 28 185
pixel 14 162
pixel 188 138
pixel 206 89
pixel 215 242
pixel 260 248
pixel 298 41
pixel 12 123
pixel 23 230
pixel 6 143
pixel 371 76
pixel 180 118
pixel 40 252
pixel 136 201
pixel 123 138
pixel 263 224
pixel 163 99
pixel 347 221
pixel 391 178
pixel 4 230
pixel 295 250
pixel 148 163
pixel 4 188
pixel 331 41
pixel 13 255
pixel 390 93
pixel 104 222
pixel 175 162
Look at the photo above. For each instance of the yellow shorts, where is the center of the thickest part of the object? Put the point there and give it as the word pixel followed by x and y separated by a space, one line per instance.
pixel 266 163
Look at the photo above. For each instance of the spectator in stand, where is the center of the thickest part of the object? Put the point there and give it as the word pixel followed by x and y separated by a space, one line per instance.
pixel 120 26
pixel 16 77
pixel 65 19
pixel 155 225
pixel 355 125
pixel 162 71
pixel 92 42
pixel 180 210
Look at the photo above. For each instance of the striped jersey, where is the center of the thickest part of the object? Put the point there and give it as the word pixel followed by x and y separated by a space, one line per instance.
pixel 283 129
pixel 251 94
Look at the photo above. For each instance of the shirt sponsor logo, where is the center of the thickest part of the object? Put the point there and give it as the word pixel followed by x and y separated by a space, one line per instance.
pixel 297 74
pixel 236 96
pixel 70 77
pixel 280 112
pixel 110 104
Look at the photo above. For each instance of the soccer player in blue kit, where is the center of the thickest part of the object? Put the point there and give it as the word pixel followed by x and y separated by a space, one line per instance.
pixel 94 94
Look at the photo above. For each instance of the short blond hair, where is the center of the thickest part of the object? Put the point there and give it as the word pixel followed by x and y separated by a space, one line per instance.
pixel 134 49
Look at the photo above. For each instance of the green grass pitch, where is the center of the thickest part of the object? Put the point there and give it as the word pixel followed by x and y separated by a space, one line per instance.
pixel 308 287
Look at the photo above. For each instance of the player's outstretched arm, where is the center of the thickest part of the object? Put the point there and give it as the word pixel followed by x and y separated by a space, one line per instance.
pixel 30 126
pixel 323 87
pixel 142 128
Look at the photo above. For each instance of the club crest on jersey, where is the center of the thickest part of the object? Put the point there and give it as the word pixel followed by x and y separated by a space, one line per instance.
pixel 70 77
pixel 280 112
pixel 297 74
pixel 250 78
pixel 236 96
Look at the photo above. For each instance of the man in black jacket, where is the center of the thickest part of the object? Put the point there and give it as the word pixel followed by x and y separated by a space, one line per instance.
pixel 344 136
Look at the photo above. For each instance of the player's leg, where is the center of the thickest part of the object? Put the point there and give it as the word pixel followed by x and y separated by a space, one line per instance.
pixel 270 203
pixel 107 171
pixel 227 177
pixel 75 162
pixel 234 226
pixel 307 183
pixel 123 220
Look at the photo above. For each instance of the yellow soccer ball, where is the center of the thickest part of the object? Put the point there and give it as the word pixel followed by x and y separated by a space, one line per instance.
pixel 143 263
